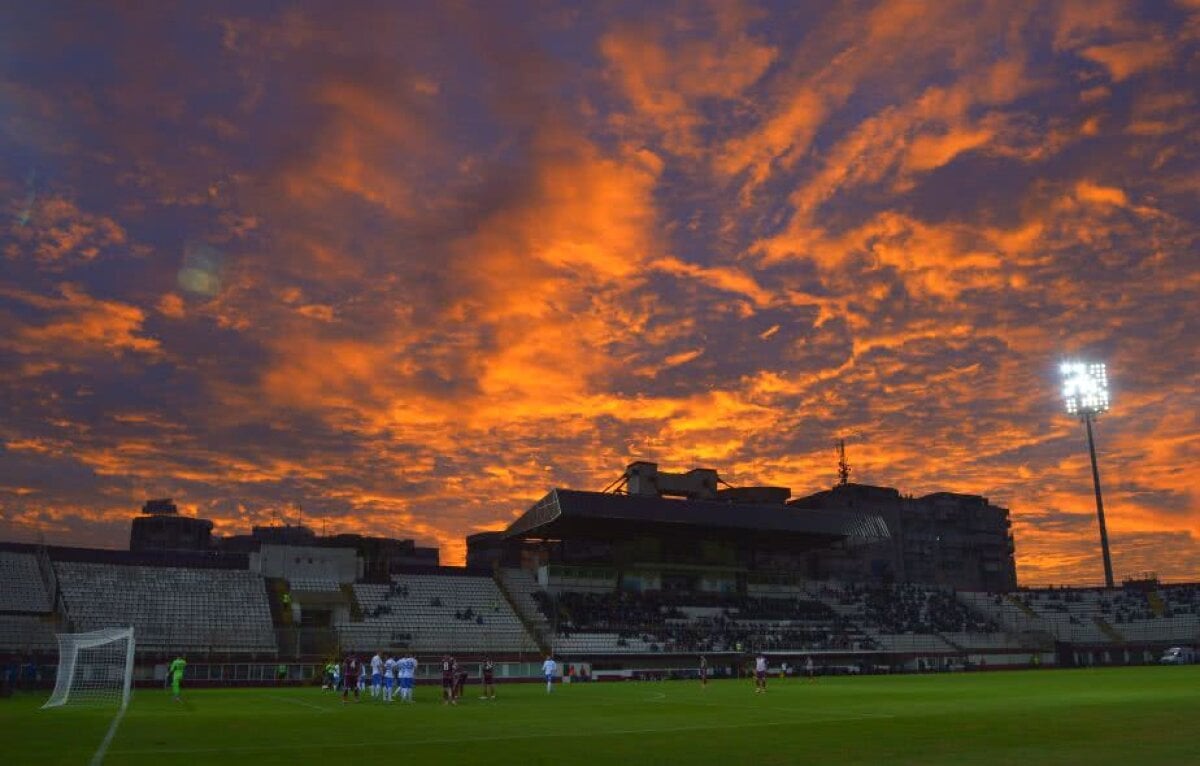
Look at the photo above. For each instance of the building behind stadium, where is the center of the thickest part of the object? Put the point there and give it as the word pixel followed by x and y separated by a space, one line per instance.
pixel 639 579
pixel 661 530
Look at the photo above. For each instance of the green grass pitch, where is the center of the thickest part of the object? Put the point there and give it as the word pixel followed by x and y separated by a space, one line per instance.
pixel 1128 716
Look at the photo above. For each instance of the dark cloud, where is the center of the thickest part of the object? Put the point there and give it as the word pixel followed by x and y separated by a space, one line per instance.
pixel 408 269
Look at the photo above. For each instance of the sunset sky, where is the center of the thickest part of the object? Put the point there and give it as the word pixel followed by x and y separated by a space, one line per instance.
pixel 410 265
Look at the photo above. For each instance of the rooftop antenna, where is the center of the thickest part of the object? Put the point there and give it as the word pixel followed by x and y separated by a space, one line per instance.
pixel 843 466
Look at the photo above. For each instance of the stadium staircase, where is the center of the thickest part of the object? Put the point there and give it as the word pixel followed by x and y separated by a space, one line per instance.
pixel 957 646
pixel 280 617
pixel 1157 605
pixel 523 607
pixel 1026 608
pixel 1108 630
pixel 356 610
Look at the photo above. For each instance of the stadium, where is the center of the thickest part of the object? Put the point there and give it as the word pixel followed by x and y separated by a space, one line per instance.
pixel 877 618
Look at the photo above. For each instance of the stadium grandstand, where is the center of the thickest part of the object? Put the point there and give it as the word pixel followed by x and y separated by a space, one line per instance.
pixel 647 575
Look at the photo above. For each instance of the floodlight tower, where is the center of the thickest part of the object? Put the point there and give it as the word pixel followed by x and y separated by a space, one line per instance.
pixel 1085 393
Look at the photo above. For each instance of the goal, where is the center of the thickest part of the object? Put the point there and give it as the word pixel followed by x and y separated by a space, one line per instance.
pixel 94 668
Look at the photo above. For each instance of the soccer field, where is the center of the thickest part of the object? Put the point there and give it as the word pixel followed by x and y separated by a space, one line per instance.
pixel 1109 716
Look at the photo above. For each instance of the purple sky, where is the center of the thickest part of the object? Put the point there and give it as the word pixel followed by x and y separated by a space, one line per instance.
pixel 411 265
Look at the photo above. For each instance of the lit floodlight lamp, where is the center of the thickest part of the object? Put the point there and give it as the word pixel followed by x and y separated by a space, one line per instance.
pixel 1085 387
pixel 1085 394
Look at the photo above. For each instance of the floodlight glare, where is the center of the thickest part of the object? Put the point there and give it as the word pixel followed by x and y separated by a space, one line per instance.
pixel 1085 394
pixel 1085 387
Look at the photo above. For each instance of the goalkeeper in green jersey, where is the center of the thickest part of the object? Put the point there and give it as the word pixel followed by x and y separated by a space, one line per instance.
pixel 175 673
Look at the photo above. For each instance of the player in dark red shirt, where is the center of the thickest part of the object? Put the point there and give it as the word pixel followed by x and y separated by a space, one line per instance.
pixel 351 668
pixel 488 668
pixel 449 666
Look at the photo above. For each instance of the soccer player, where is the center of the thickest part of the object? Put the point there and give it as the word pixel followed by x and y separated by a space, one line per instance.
pixel 351 670
pixel 488 668
pixel 760 674
pixel 337 676
pixel 175 671
pixel 809 670
pixel 460 682
pixel 548 668
pixel 703 671
pixel 449 666
pixel 389 678
pixel 406 668
pixel 376 675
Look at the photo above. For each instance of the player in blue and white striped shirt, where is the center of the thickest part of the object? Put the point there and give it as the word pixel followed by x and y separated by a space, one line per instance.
pixel 406 668
pixel 376 675
pixel 389 678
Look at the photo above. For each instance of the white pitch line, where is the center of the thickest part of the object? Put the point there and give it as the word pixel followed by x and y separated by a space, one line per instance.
pixel 98 757
pixel 289 700
pixel 502 737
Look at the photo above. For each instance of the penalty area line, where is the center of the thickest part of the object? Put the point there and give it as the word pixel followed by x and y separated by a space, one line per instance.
pixel 98 757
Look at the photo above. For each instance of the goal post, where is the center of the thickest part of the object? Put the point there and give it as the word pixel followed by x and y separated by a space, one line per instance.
pixel 94 668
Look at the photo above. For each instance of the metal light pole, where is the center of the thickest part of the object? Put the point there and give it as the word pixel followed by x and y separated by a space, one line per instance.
pixel 1108 575
pixel 1085 391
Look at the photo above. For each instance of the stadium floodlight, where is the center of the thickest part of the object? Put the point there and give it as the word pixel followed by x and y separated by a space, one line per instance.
pixel 1085 394
pixel 1085 388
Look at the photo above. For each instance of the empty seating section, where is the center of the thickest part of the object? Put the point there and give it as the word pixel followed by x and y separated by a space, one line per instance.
pixel 435 613
pixel 313 585
pixel 600 643
pixel 27 633
pixel 1162 614
pixel 1006 610
pixel 1070 615
pixel 170 608
pixel 523 587
pixel 21 586
pixel 969 640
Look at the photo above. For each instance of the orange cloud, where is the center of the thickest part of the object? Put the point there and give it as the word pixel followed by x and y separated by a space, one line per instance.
pixel 703 234
pixel 53 229
pixel 81 325
pixel 1126 59
pixel 667 71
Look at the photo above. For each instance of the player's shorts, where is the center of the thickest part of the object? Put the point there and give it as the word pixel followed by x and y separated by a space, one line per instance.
pixel 448 681
pixel 549 678
pixel 704 672
pixel 761 675
pixel 388 682
pixel 406 682
pixel 376 679
pixel 487 678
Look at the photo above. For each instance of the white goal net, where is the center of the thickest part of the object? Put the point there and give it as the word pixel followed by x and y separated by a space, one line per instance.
pixel 94 668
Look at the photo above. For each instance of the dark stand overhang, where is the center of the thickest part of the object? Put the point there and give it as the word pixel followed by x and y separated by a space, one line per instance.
pixel 565 513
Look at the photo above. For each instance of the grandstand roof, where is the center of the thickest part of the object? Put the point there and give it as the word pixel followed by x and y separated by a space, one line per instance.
pixel 563 512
